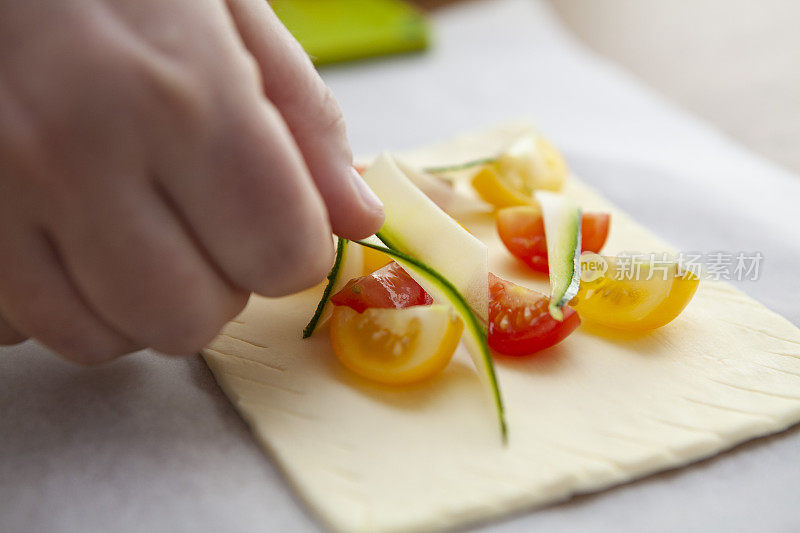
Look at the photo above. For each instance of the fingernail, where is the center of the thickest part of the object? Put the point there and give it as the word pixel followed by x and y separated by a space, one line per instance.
pixel 369 198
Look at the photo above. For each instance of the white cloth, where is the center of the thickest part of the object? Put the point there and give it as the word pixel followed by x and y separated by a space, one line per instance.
pixel 151 444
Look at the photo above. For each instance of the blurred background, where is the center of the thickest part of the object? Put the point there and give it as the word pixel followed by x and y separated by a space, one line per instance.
pixel 735 63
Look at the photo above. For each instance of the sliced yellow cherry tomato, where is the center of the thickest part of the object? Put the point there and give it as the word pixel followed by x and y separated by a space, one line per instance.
pixel 374 260
pixel 631 294
pixel 555 169
pixel 395 346
pixel 529 164
pixel 500 190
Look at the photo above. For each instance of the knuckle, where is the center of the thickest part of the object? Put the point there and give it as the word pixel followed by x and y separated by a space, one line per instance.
pixel 181 92
pixel 23 147
pixel 246 69
pixel 306 94
pixel 330 113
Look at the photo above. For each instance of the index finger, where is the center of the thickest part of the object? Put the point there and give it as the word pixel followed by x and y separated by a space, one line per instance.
pixel 313 116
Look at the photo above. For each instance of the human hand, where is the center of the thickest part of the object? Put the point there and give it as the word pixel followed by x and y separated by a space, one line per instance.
pixel 158 162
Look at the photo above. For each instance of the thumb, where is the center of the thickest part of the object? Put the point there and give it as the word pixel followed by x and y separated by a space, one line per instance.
pixel 309 109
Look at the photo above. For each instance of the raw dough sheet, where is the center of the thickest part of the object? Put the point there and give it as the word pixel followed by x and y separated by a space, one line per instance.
pixel 591 413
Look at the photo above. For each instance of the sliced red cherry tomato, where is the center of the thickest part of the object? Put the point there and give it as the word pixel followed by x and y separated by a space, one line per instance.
pixel 388 287
pixel 522 231
pixel 519 322
pixel 594 231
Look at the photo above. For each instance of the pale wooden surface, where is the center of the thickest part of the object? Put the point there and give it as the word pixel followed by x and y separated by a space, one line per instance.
pixel 734 63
